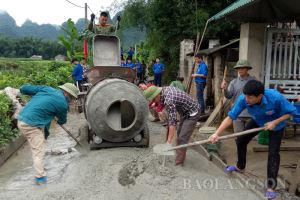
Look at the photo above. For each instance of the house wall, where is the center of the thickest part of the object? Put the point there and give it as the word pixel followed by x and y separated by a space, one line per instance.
pixel 252 39
pixel 219 63
pixel 186 62
pixel 186 46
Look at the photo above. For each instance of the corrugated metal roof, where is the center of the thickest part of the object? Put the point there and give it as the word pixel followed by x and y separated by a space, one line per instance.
pixel 213 50
pixel 231 8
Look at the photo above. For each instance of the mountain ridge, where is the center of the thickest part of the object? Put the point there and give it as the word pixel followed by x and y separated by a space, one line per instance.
pixel 9 28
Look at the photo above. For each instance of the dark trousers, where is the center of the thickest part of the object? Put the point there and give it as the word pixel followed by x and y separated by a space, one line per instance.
pixel 200 95
pixel 157 79
pixel 139 76
pixel 186 128
pixel 184 132
pixel 275 138
pixel 79 85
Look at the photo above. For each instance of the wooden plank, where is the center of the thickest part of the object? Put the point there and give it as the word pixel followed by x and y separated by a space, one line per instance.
pixel 216 112
pixel 295 181
pixel 282 148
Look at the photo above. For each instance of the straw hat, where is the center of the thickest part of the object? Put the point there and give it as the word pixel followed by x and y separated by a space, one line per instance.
pixel 151 92
pixel 242 64
pixel 70 88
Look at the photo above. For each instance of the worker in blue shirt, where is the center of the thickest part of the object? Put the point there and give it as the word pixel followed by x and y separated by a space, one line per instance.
pixel 129 64
pixel 77 73
pixel 130 53
pixel 268 109
pixel 35 118
pixel 139 70
pixel 158 69
pixel 200 80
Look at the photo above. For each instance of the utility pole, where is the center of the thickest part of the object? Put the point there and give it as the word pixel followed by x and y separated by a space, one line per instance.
pixel 85 15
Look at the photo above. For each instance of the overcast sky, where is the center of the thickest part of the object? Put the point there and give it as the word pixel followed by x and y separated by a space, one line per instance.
pixel 55 11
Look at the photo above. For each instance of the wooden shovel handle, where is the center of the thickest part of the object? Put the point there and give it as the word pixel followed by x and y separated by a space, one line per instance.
pixel 220 138
pixel 70 134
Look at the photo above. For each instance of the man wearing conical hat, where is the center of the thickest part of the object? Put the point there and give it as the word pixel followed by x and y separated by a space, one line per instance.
pixel 34 120
pixel 234 90
pixel 176 101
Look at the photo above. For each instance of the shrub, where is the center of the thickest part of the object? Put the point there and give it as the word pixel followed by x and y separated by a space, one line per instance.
pixel 7 133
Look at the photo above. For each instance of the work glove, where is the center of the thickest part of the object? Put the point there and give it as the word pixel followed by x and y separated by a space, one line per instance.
pixel 119 18
pixel 92 17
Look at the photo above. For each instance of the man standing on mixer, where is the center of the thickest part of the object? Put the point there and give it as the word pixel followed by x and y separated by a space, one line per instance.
pixel 103 27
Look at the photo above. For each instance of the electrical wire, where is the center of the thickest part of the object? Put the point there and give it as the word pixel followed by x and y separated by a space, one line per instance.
pixel 74 4
pixel 90 8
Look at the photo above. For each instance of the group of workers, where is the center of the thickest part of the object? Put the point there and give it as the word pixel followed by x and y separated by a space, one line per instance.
pixel 253 106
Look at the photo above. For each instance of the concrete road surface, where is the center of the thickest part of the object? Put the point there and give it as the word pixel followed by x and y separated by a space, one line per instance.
pixel 113 174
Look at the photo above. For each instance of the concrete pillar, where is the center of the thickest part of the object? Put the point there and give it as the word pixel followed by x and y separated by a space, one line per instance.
pixel 252 38
pixel 186 46
pixel 217 78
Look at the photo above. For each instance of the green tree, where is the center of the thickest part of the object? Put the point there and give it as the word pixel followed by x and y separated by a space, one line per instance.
pixel 70 40
pixel 167 23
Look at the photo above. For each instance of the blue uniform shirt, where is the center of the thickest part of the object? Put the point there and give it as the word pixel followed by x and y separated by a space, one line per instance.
pixel 130 53
pixel 139 68
pixel 158 68
pixel 202 69
pixel 45 104
pixel 77 73
pixel 131 65
pixel 272 106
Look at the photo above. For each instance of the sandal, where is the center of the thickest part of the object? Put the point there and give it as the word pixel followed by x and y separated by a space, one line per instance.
pixel 231 168
pixel 270 195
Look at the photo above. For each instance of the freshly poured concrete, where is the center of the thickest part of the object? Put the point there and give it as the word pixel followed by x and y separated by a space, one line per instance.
pixel 119 173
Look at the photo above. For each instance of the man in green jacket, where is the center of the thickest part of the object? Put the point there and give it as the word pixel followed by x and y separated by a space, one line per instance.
pixel 102 27
pixel 178 83
pixel 35 118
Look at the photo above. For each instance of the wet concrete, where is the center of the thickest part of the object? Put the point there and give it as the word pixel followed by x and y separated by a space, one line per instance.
pixel 119 173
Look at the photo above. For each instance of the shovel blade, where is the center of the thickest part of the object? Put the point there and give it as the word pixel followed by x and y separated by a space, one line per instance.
pixel 161 149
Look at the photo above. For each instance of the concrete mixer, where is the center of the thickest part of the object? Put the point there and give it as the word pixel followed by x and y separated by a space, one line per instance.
pixel 114 107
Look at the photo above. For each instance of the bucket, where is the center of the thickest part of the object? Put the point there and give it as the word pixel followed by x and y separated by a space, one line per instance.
pixel 263 137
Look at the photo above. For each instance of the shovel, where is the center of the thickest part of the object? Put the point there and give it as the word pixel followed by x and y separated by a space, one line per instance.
pixel 166 150
pixel 72 136
pixel 81 148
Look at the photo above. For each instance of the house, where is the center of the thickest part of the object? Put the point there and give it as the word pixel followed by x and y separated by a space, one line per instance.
pixel 37 57
pixel 269 40
pixel 60 58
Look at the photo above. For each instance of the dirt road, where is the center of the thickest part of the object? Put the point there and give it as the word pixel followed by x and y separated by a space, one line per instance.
pixel 119 173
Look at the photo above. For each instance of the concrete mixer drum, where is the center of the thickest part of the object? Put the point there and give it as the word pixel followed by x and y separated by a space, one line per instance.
pixel 115 108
